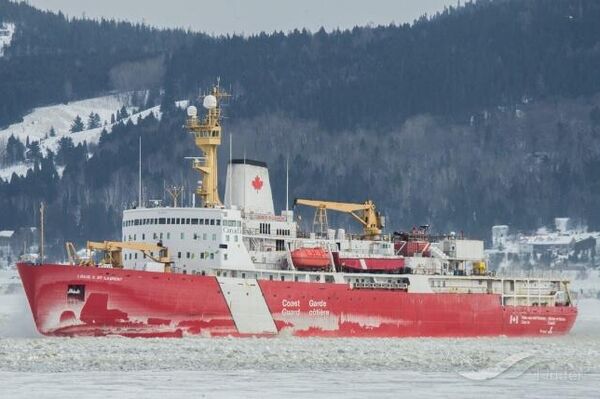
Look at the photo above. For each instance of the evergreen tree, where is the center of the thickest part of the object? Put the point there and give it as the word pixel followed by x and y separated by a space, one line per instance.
pixel 112 119
pixel 65 150
pixel 77 125
pixel 34 152
pixel 93 121
pixel 15 150
pixel 52 132
pixel 122 113
pixel 103 136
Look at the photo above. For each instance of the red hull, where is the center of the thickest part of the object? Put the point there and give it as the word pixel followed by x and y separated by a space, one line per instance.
pixel 76 301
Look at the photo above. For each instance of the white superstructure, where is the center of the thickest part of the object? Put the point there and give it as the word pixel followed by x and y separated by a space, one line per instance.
pixel 245 235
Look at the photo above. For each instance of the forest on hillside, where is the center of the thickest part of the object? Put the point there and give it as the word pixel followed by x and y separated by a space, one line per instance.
pixel 482 114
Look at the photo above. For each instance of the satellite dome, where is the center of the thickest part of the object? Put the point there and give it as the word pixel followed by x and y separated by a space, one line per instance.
pixel 192 111
pixel 210 102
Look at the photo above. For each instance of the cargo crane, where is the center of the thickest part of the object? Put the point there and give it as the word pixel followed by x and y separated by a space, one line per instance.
pixel 113 253
pixel 371 220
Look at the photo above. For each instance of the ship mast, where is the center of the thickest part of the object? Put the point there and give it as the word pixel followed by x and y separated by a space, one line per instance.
pixel 207 135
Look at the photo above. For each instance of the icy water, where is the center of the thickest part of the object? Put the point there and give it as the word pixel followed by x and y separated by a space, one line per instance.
pixel 32 367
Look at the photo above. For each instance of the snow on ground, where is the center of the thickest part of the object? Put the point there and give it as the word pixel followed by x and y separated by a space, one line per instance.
pixel 38 123
pixel 93 135
pixel 7 31
pixel 20 169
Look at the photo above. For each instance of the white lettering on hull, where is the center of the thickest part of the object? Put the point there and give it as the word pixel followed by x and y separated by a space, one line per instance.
pixel 93 277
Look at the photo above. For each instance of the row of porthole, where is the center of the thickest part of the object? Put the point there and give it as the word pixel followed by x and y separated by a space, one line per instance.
pixel 179 221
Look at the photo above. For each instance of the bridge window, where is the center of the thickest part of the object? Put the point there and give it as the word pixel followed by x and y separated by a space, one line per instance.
pixel 178 255
pixel 206 222
pixel 212 222
pixel 218 222
pixel 212 255
pixel 264 228
pixel 178 221
pixel 168 236
pixel 143 236
pixel 182 235
pixel 214 237
pixel 194 221
pixel 201 221
pixel 162 220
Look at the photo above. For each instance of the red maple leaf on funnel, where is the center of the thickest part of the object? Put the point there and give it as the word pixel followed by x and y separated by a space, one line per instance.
pixel 257 183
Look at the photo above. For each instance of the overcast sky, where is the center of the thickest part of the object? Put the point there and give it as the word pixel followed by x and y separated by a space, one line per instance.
pixel 250 16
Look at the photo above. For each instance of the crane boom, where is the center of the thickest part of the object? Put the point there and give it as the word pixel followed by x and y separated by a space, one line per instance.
pixel 113 251
pixel 369 217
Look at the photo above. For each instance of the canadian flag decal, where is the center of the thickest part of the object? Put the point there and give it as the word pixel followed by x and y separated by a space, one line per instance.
pixel 257 183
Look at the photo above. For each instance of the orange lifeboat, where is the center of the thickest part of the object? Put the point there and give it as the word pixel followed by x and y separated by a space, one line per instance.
pixel 310 258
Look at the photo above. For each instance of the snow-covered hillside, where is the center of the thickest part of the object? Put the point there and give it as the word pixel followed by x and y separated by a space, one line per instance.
pixel 38 123
pixel 7 31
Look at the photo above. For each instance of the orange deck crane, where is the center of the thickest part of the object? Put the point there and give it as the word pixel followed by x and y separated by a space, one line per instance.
pixel 371 220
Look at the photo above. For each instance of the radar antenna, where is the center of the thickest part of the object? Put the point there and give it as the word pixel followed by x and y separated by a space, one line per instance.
pixel 207 135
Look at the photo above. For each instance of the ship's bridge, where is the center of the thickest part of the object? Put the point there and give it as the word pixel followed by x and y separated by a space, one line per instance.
pixel 199 239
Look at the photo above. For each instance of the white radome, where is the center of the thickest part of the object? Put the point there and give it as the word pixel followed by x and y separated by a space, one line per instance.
pixel 210 102
pixel 192 111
